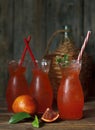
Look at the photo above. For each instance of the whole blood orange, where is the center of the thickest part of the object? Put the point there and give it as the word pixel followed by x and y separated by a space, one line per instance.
pixel 50 115
pixel 24 103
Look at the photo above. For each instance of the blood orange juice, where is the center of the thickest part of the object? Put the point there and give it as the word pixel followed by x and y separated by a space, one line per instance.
pixel 17 83
pixel 70 97
pixel 40 87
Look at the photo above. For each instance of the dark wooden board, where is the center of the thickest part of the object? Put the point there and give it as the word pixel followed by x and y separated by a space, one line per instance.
pixel 86 123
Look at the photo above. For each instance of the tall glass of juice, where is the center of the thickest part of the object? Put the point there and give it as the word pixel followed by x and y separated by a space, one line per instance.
pixel 17 83
pixel 70 97
pixel 40 87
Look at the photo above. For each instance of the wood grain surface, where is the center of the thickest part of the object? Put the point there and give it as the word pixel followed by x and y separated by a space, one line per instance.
pixel 86 123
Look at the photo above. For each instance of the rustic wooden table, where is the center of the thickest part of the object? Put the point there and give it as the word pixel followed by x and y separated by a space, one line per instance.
pixel 87 123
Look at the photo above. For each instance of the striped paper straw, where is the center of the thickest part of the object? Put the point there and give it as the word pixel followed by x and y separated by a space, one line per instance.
pixel 83 46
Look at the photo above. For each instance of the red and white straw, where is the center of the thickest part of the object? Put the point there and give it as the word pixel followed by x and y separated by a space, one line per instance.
pixel 84 45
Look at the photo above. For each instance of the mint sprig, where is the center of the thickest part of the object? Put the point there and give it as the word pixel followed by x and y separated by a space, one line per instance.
pixel 64 61
pixel 35 123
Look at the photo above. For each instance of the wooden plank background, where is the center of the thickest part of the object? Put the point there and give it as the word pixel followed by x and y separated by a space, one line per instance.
pixel 40 18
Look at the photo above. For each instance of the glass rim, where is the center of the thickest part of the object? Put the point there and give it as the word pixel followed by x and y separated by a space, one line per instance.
pixel 72 63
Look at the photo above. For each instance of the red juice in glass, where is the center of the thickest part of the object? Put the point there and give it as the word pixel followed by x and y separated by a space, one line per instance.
pixel 17 83
pixel 70 98
pixel 40 87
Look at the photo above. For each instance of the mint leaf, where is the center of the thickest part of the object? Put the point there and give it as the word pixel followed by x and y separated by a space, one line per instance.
pixel 66 58
pixel 35 123
pixel 58 59
pixel 18 117
pixel 64 61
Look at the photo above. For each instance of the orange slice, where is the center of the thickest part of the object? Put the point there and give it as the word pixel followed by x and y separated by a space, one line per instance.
pixel 50 115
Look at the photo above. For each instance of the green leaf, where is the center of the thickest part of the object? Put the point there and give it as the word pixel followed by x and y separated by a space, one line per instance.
pixel 66 58
pixel 58 59
pixel 18 117
pixel 64 61
pixel 35 123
